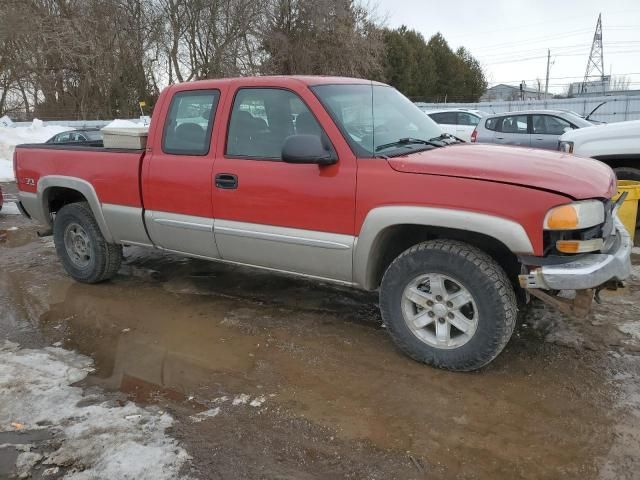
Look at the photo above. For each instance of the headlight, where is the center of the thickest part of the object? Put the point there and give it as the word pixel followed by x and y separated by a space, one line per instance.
pixel 565 146
pixel 575 216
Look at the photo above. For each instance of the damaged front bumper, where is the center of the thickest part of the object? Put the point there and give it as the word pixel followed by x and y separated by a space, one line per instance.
pixel 584 274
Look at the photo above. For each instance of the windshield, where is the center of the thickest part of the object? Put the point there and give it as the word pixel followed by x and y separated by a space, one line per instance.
pixel 577 120
pixel 373 116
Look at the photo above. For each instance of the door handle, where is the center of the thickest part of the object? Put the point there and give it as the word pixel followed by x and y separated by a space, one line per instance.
pixel 227 181
pixel 499 138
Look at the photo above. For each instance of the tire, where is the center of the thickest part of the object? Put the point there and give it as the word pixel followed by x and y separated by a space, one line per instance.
pixel 83 251
pixel 489 316
pixel 627 173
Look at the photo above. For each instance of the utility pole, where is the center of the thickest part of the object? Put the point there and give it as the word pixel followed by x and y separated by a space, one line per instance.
pixel 546 83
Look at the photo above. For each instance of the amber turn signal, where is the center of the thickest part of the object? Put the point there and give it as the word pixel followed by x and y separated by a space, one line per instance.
pixel 563 218
pixel 579 246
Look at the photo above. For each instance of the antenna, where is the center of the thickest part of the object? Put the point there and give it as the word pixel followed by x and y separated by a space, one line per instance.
pixel 595 64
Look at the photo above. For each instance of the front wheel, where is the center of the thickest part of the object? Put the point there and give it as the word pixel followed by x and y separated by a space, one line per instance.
pixel 448 304
pixel 83 251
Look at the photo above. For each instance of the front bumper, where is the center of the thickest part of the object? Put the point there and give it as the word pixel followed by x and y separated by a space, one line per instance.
pixel 589 271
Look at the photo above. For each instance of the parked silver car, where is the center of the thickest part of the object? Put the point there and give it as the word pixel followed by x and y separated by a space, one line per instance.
pixel 531 128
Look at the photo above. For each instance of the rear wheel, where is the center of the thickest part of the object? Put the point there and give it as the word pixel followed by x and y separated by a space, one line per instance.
pixel 448 304
pixel 81 247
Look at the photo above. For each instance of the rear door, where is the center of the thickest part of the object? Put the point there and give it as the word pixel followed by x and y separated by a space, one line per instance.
pixel 465 125
pixel 290 217
pixel 513 130
pixel 177 179
pixel 546 130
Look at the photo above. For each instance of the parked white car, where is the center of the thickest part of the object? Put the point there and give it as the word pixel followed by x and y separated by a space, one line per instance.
pixel 459 122
pixel 616 144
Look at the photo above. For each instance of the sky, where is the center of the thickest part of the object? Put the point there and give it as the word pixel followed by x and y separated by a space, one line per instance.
pixel 511 38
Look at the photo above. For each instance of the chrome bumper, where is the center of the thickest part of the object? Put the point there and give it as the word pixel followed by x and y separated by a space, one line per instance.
pixel 590 271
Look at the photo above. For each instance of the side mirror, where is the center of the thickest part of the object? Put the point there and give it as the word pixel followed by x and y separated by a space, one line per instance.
pixel 305 149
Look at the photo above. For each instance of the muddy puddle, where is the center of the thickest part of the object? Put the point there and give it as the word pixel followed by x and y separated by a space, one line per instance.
pixel 298 379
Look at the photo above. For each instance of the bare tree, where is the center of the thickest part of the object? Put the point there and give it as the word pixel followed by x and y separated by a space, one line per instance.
pixel 620 82
pixel 329 37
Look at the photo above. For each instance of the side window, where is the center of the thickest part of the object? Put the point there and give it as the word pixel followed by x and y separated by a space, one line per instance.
pixel 187 128
pixel 550 125
pixel 514 124
pixel 446 118
pixel 467 119
pixel 261 120
pixel 63 137
pixel 491 124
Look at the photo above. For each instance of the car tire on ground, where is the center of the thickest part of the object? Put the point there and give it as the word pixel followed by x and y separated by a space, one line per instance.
pixel 81 247
pixel 448 304
pixel 627 173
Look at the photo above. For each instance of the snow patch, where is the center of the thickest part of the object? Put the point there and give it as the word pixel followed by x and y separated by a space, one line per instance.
pixel 105 440
pixel 123 124
pixel 25 462
pixel 204 415
pixel 258 401
pixel 241 399
pixel 37 132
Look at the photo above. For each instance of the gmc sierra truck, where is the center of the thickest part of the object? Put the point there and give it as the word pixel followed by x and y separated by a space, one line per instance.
pixel 342 180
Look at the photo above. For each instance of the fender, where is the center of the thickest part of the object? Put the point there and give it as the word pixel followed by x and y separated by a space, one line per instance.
pixel 41 207
pixel 510 233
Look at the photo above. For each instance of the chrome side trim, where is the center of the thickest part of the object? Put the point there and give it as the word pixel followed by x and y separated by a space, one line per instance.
pixel 276 237
pixel 307 252
pixel 182 233
pixel 85 188
pixel 182 224
pixel 367 253
pixel 126 224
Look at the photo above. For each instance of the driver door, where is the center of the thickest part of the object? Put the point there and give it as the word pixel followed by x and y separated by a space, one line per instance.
pixel 290 217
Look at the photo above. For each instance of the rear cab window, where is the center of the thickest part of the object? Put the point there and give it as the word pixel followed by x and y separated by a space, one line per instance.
pixel 187 128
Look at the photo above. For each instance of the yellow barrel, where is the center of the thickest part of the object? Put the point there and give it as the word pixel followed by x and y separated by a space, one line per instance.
pixel 628 211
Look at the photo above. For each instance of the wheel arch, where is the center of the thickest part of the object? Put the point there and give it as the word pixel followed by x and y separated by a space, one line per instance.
pixel 388 231
pixel 625 161
pixel 56 191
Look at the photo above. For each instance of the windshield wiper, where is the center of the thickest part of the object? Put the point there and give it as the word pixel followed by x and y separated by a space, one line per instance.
pixel 407 141
pixel 447 136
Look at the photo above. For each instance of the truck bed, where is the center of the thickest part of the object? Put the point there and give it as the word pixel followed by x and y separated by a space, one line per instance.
pixel 113 173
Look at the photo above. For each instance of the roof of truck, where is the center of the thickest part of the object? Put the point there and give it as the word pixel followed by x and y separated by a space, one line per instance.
pixel 279 80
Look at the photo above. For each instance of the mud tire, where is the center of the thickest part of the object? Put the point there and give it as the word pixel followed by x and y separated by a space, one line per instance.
pixel 627 173
pixel 105 258
pixel 487 283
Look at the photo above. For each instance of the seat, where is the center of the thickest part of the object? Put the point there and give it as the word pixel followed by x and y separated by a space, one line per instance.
pixel 189 136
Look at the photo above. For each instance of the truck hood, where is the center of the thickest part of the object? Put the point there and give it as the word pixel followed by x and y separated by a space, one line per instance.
pixel 576 177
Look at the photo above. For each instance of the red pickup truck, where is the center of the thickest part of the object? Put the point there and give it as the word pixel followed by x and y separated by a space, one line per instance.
pixel 342 180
